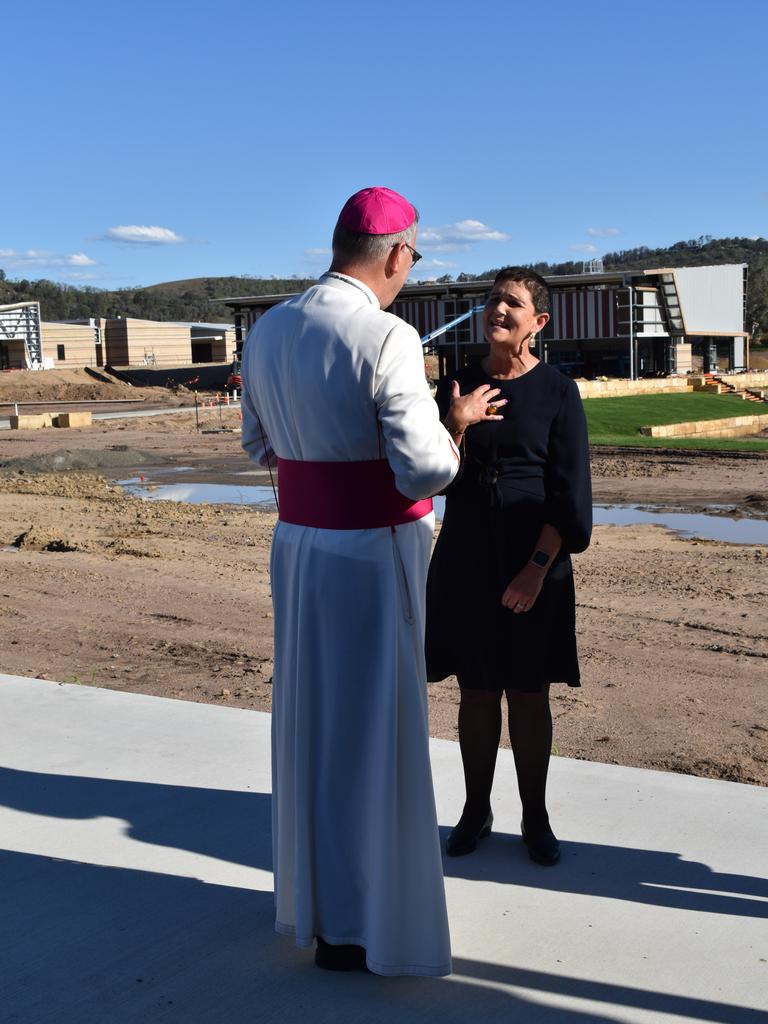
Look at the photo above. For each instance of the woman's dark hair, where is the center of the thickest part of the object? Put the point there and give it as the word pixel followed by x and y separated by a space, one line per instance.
pixel 535 283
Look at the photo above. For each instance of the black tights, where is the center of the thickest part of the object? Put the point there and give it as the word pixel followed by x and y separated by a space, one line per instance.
pixel 530 733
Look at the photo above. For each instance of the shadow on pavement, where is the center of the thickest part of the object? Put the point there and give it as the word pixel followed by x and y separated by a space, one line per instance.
pixel 83 943
pixel 232 826
pixel 652 877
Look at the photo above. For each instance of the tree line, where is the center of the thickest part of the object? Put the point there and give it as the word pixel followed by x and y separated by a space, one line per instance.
pixel 697 252
pixel 191 299
pixel 174 301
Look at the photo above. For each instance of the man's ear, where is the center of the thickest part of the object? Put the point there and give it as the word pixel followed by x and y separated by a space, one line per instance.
pixel 394 258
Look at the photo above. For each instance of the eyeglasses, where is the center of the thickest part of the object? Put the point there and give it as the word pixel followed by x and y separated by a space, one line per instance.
pixel 415 256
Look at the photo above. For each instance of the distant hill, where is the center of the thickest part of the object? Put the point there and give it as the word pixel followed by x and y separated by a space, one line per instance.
pixel 172 300
pixel 191 299
pixel 226 287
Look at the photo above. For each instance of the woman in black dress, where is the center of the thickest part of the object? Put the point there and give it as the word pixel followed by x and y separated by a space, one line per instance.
pixel 500 596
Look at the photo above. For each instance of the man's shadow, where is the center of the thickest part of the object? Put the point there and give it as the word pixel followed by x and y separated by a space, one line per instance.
pixel 228 825
pixel 654 877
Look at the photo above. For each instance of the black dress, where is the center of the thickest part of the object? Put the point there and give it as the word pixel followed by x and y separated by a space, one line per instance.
pixel 516 475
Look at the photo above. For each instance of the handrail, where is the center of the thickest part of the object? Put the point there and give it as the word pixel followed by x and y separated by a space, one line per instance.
pixel 446 327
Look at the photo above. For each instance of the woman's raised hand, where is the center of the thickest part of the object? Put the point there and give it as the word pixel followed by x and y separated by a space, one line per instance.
pixel 475 407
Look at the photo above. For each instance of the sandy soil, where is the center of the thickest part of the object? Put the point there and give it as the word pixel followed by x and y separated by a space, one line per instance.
pixel 76 386
pixel 104 589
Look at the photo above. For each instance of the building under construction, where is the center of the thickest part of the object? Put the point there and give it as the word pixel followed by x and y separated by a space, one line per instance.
pixel 27 342
pixel 626 324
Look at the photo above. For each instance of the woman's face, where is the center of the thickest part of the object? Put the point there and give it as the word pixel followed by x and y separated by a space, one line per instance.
pixel 509 317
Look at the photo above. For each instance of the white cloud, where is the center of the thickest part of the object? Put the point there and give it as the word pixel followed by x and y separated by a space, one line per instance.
pixel 436 265
pixel 459 235
pixel 30 258
pixel 320 253
pixel 602 232
pixel 142 234
pixel 586 247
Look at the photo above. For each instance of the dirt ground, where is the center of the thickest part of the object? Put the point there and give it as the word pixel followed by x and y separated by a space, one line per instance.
pixel 104 589
pixel 78 385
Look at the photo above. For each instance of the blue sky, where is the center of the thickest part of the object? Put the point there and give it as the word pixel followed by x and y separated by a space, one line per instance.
pixel 156 141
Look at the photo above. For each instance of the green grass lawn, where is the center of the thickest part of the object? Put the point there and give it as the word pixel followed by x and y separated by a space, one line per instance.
pixel 616 421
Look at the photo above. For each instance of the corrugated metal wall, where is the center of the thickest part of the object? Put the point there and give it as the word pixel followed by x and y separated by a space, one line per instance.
pixel 424 316
pixel 580 315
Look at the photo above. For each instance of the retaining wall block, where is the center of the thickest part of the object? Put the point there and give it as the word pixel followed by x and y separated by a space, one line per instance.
pixel 74 419
pixel 733 426
pixel 31 421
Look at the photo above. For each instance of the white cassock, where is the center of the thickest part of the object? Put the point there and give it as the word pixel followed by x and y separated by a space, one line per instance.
pixel 329 377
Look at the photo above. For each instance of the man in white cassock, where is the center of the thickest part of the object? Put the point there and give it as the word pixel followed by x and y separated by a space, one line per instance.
pixel 334 395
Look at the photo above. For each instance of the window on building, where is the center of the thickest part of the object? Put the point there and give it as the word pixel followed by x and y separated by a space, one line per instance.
pixel 461 334
pixel 60 353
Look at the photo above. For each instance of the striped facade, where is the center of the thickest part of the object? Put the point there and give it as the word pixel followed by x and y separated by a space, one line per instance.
pixel 424 316
pixel 582 315
pixel 617 323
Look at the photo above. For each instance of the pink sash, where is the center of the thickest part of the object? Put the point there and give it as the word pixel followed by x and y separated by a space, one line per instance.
pixel 344 495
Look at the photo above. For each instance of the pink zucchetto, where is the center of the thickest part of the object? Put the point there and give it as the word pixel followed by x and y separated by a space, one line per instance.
pixel 377 211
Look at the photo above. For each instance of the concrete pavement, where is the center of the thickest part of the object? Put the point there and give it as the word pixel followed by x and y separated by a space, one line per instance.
pixel 135 884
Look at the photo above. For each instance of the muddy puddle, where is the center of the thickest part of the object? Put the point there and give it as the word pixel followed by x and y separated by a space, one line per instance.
pixel 690 525
pixel 166 484
pixel 143 486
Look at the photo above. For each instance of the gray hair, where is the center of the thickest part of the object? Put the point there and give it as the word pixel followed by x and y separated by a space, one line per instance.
pixel 354 247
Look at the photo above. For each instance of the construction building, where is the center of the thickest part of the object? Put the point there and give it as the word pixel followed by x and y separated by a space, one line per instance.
pixel 133 342
pixel 27 342
pixel 625 324
pixel 74 344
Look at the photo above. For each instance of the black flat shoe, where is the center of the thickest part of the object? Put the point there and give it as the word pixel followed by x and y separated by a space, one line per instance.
pixel 543 848
pixel 339 958
pixel 462 840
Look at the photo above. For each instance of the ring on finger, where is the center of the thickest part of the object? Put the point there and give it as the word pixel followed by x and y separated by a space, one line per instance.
pixel 490 409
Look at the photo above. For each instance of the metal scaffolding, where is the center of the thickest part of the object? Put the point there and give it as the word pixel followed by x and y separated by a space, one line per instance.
pixel 20 334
